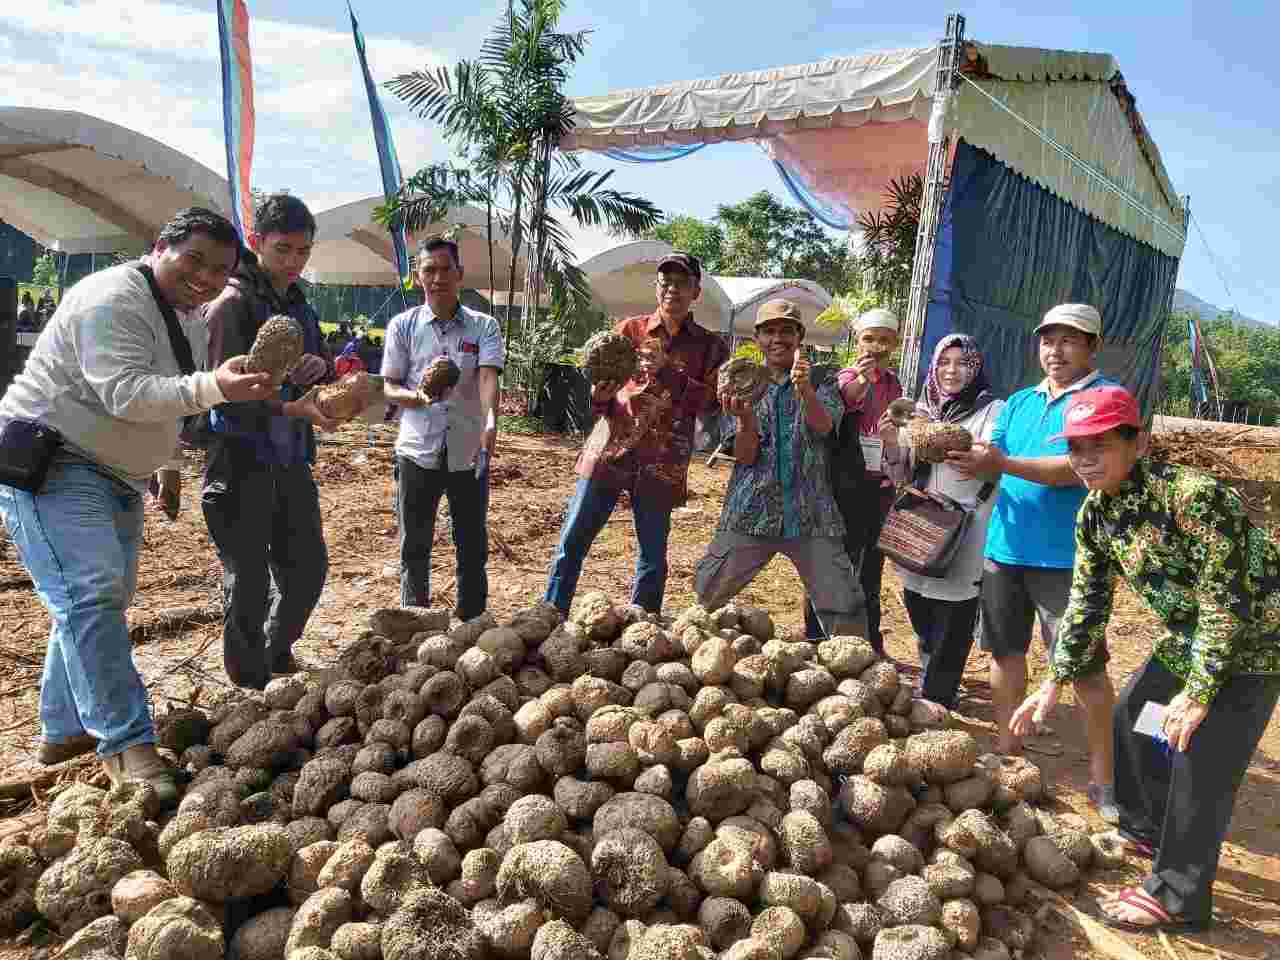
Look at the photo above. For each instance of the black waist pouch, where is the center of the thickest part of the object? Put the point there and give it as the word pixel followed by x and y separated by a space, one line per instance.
pixel 27 448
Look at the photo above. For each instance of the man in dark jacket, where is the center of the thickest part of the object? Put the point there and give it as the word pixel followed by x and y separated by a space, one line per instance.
pixel 260 500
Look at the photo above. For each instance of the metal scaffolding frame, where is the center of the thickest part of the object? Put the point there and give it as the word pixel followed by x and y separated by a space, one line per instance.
pixel 950 52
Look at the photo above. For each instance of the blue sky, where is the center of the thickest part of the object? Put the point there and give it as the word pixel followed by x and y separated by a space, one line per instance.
pixel 1204 73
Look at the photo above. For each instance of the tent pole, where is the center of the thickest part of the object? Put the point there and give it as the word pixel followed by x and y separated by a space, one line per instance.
pixel 1158 397
pixel 950 53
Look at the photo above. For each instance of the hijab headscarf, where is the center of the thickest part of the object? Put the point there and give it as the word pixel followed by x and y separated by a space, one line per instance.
pixel 976 395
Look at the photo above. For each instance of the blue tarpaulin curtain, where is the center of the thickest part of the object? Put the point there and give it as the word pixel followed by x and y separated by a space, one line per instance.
pixel 800 192
pixel 1008 250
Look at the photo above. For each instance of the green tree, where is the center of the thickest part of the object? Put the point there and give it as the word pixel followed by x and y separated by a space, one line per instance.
pixel 45 273
pixel 1247 360
pixel 506 113
pixel 766 238
pixel 763 237
pixel 889 241
pixel 1175 366
pixel 704 240
pixel 846 307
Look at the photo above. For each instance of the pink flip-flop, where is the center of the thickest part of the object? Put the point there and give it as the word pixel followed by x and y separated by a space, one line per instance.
pixel 1140 899
pixel 1139 848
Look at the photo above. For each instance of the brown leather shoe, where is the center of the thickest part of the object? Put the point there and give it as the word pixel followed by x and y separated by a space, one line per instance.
pixel 142 762
pixel 51 753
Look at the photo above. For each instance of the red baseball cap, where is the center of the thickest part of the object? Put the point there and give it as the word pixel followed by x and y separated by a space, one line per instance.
pixel 1098 410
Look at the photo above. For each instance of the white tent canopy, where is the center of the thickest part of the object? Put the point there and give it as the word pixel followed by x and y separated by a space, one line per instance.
pixel 353 248
pixel 748 293
pixel 622 281
pixel 847 126
pixel 82 185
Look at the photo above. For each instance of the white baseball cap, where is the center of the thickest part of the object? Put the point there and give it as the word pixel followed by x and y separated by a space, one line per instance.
pixel 1079 316
pixel 877 317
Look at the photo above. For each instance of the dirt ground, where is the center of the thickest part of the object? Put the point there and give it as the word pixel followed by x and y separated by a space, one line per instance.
pixel 532 479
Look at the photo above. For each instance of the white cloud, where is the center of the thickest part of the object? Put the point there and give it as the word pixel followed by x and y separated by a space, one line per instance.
pixel 153 66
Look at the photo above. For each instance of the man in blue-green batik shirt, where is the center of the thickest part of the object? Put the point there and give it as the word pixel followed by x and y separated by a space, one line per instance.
pixel 780 498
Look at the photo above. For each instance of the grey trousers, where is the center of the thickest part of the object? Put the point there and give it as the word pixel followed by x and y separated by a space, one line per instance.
pixel 733 559
pixel 265 522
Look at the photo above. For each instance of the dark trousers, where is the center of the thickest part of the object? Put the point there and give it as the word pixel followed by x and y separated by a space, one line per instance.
pixel 418 494
pixel 944 630
pixel 588 511
pixel 863 520
pixel 1181 803
pixel 265 523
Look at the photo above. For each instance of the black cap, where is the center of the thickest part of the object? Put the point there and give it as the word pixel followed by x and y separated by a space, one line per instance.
pixel 685 261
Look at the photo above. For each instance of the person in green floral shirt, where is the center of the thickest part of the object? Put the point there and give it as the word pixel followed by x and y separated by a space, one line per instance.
pixel 780 498
pixel 1183 544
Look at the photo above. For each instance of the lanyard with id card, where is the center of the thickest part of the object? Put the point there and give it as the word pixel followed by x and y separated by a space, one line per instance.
pixel 1151 723
pixel 872 453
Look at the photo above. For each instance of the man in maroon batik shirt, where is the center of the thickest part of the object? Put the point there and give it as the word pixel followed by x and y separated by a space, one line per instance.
pixel 643 437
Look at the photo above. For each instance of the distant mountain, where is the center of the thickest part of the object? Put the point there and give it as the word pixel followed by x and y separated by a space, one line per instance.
pixel 1186 301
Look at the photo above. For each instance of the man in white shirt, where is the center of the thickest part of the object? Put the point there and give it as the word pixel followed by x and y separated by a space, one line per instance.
pixel 109 375
pixel 444 446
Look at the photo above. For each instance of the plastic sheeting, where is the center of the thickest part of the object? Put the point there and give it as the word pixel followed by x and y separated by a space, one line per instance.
pixel 654 154
pixel 837 216
pixel 842 128
pixel 884 86
pixel 850 167
pixel 353 248
pixel 82 185
pixel 1008 250
pixel 1086 119
pixel 832 213
pixel 622 275
pixel 748 293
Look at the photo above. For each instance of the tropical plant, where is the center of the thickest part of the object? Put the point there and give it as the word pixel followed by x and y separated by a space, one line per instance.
pixel 45 273
pixel 705 240
pixel 506 113
pixel 847 307
pixel 1247 360
pixel 889 238
pixel 766 238
pixel 763 237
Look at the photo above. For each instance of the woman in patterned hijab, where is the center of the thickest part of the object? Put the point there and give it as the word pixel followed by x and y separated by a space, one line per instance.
pixel 944 609
pixel 954 407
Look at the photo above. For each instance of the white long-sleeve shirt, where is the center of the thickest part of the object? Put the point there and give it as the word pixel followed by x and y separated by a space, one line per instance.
pixel 103 374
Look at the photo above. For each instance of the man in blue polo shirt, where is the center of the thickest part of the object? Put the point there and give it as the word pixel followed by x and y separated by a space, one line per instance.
pixel 1031 541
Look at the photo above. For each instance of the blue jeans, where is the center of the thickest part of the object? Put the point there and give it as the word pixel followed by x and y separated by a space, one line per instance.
pixel 79 540
pixel 588 512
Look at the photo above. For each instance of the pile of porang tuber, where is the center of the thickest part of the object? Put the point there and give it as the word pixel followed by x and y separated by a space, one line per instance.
pixel 610 786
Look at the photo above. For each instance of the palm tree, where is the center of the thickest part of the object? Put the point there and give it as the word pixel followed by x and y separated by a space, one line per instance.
pixel 890 239
pixel 507 113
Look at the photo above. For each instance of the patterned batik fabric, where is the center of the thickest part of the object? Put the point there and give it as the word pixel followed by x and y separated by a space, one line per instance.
pixel 1183 543
pixel 770 498
pixel 643 437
